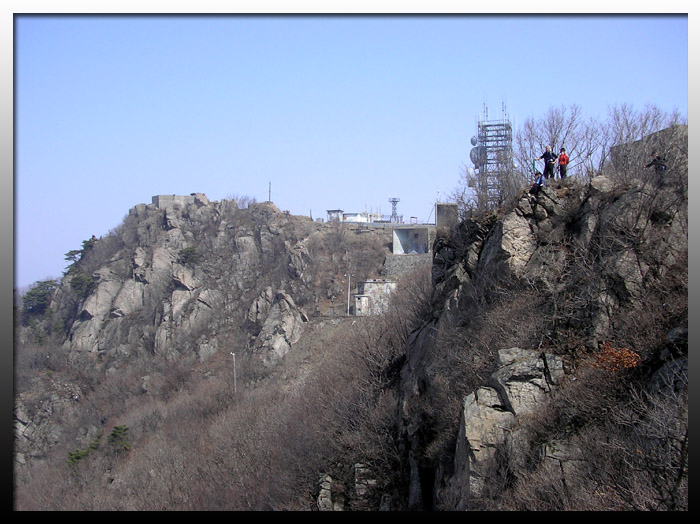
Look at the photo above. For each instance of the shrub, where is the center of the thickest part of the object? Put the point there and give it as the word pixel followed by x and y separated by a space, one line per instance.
pixel 119 438
pixel 74 457
pixel 615 359
pixel 189 255
pixel 83 284
pixel 38 299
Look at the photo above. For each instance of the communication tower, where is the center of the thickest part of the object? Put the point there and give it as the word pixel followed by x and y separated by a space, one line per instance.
pixel 492 156
pixel 394 216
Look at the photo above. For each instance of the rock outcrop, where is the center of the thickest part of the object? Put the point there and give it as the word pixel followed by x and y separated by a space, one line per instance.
pixel 593 252
pixel 181 270
pixel 282 328
pixel 489 419
pixel 180 281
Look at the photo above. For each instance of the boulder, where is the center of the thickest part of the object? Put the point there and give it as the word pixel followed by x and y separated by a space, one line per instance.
pixel 324 501
pixel 184 277
pixel 282 329
pixel 508 248
pixel 524 377
pixel 128 300
pixel 489 415
pixel 258 310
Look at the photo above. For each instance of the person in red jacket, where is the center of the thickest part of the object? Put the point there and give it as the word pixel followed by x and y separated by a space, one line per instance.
pixel 563 162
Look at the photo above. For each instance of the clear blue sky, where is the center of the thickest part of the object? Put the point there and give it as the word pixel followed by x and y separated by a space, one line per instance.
pixel 334 112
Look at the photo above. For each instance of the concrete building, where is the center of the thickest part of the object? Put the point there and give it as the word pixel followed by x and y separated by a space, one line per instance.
pixel 411 249
pixel 372 296
pixel 334 215
pixel 163 201
pixel 363 217
pixel 411 240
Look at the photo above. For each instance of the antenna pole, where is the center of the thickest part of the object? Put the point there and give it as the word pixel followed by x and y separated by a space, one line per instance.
pixel 348 310
pixel 394 215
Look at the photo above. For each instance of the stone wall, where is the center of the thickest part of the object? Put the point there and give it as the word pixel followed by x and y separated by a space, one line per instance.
pixel 396 265
pixel 446 214
pixel 165 201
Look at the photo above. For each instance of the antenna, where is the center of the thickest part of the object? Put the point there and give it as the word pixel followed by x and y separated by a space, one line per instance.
pixel 491 152
pixel 394 215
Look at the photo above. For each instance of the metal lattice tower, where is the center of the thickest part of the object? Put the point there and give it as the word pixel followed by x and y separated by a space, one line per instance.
pixel 394 215
pixel 493 157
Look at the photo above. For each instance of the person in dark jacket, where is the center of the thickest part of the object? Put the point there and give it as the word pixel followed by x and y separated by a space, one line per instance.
pixel 659 164
pixel 549 160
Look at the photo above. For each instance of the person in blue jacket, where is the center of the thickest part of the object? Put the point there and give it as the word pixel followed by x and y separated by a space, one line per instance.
pixel 539 181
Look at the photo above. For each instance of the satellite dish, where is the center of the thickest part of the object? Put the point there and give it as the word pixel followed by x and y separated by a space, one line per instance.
pixel 474 156
pixel 478 156
pixel 471 177
pixel 473 140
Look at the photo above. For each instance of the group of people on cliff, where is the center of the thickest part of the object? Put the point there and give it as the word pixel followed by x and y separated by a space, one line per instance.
pixel 562 162
pixel 550 161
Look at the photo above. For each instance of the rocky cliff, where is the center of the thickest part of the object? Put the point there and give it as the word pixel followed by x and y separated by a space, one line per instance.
pixel 522 302
pixel 174 275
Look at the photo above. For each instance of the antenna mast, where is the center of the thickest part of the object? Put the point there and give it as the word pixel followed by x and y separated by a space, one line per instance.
pixel 492 156
pixel 395 218
pixel 394 215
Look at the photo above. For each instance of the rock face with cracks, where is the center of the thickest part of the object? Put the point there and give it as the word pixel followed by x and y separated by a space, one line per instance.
pixel 595 251
pixel 281 329
pixel 184 270
pixel 489 416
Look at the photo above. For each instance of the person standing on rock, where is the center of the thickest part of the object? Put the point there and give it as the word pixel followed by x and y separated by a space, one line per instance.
pixel 549 160
pixel 563 163
pixel 659 165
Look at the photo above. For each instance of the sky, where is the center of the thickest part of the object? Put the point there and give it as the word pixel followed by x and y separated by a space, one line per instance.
pixel 318 112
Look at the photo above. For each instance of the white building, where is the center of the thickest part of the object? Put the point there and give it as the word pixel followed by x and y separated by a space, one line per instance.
pixel 334 215
pixel 363 217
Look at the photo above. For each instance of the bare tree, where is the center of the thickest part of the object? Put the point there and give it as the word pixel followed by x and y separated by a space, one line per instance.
pixel 634 135
pixel 589 142
pixel 628 124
